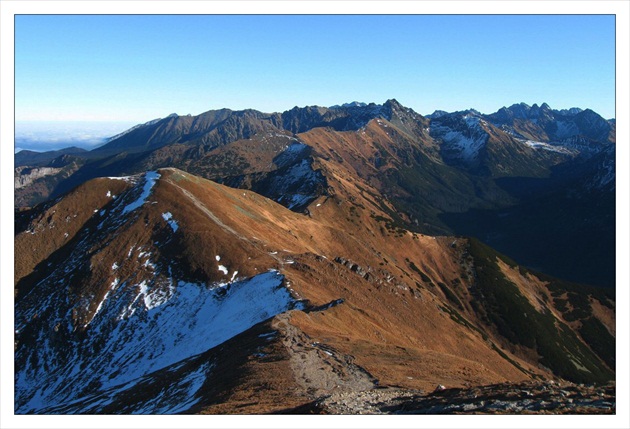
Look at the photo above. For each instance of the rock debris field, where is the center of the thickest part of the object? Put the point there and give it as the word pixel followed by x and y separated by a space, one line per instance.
pixel 523 398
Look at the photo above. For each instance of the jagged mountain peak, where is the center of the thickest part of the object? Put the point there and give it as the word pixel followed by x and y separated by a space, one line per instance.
pixel 543 106
pixel 524 111
pixel 351 104
pixel 218 127
pixel 521 111
pixel 393 104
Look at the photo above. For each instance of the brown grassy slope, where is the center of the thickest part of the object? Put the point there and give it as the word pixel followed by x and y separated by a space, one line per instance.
pixel 388 255
pixel 392 323
pixel 406 318
pixel 54 224
pixel 370 151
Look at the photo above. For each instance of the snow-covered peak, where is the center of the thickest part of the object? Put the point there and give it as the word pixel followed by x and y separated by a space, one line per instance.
pixel 472 120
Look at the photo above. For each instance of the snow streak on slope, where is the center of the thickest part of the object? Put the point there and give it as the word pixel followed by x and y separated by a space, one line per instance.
pixel 546 146
pixel 298 179
pixel 134 334
pixel 149 181
pixel 168 217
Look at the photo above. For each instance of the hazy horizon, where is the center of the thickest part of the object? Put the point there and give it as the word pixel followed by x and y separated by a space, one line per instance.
pixel 41 136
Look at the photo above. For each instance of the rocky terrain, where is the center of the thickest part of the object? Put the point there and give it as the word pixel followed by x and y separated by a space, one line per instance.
pixel 523 398
pixel 240 263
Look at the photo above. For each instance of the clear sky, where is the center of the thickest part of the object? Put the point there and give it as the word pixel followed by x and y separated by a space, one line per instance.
pixel 135 68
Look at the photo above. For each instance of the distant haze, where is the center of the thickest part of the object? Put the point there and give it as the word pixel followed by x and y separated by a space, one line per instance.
pixel 42 136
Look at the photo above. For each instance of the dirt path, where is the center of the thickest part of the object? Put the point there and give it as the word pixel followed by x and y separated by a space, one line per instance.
pixel 281 261
pixel 320 370
pixel 207 211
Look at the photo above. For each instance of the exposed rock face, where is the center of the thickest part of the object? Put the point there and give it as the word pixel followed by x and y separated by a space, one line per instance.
pixel 24 176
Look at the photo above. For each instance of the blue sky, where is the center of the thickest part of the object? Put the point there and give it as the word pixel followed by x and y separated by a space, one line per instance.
pixel 134 68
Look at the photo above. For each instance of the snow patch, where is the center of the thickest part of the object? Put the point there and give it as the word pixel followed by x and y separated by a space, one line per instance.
pixel 467 147
pixel 164 325
pixel 294 148
pixel 546 146
pixel 223 269
pixel 168 217
pixel 461 141
pixel 149 181
pixel 156 296
pixel 297 200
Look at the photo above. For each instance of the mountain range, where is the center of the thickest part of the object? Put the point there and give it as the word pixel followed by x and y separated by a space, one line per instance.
pixel 491 176
pixel 247 262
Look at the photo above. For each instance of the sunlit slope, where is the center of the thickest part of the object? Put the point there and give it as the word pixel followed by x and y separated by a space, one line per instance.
pixel 339 298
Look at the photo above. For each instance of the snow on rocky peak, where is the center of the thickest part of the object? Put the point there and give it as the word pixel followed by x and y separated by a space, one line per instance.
pixel 351 104
pixel 462 138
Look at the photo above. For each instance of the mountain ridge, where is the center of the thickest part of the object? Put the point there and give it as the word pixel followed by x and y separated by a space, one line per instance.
pixel 325 116
pixel 435 170
pixel 249 262
pixel 139 245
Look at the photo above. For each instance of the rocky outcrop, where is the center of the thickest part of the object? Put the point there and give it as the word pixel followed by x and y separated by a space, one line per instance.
pixel 24 176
